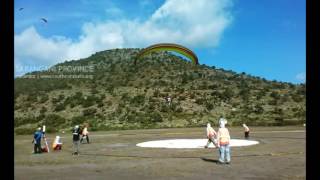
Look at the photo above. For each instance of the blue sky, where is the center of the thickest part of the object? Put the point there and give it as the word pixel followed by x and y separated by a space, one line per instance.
pixel 263 38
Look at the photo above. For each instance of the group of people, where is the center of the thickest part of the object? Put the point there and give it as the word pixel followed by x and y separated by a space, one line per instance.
pixel 221 139
pixel 57 143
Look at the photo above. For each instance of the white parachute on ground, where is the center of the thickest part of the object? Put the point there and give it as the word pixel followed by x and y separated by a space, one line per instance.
pixel 192 143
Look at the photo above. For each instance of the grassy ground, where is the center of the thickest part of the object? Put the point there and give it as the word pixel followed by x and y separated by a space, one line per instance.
pixel 114 155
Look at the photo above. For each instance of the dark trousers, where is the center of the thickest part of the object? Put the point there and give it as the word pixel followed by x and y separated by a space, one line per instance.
pixel 246 134
pixel 37 148
pixel 87 138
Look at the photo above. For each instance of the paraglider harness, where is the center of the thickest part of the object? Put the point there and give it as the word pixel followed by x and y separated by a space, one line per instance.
pixel 46 148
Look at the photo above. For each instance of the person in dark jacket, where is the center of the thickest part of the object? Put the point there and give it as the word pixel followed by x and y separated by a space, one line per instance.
pixel 37 141
pixel 76 139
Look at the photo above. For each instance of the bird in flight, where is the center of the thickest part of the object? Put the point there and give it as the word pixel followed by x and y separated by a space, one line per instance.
pixel 20 9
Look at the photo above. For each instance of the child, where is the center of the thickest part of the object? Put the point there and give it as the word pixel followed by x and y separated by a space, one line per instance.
pixel 246 131
pixel 211 135
pixel 57 144
pixel 223 141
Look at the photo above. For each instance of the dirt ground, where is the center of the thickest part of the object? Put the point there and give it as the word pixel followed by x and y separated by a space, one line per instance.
pixel 114 155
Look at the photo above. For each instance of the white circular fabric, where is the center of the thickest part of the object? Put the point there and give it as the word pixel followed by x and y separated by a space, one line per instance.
pixel 192 143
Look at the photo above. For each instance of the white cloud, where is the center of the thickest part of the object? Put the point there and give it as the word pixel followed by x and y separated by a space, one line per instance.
pixel 114 11
pixel 196 23
pixel 301 76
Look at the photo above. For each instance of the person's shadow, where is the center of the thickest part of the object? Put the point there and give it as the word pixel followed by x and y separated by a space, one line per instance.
pixel 210 160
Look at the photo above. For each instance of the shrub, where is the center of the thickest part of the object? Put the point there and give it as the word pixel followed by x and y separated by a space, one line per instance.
pixel 155 117
pixel 24 131
pixel 77 120
pixel 181 98
pixel 89 101
pixel 200 101
pixel 59 107
pixel 209 106
pixel 89 112
pixel 139 99
pixel 44 98
pixel 43 110
pixel 55 100
pixel 32 98
pixel 54 120
pixel 275 95
pixel 179 109
pixel 100 104
pixel 26 120
pixel 297 98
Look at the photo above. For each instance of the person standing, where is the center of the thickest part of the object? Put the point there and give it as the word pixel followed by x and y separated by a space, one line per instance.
pixel 246 131
pixel 85 133
pixel 211 135
pixel 37 141
pixel 76 139
pixel 223 142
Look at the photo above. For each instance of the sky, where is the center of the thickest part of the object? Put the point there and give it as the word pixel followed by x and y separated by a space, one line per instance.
pixel 265 38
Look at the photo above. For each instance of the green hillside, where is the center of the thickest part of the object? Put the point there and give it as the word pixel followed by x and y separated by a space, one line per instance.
pixel 111 92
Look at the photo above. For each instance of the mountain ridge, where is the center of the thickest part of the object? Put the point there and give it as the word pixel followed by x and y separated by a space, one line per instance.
pixel 113 93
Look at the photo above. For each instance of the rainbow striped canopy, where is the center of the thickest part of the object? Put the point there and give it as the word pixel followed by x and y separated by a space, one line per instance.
pixel 169 47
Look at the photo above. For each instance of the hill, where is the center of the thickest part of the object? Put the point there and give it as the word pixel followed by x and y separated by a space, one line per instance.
pixel 109 92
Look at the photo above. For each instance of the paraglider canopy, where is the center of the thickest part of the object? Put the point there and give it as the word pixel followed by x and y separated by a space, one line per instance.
pixel 169 47
pixel 44 20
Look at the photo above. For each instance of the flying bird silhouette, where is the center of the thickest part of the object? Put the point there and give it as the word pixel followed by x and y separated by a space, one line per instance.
pixel 20 9
pixel 44 20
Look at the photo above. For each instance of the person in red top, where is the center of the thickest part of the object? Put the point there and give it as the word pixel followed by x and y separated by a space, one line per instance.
pixel 211 135
pixel 223 143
